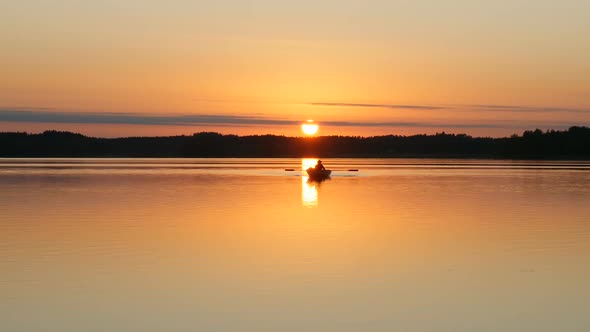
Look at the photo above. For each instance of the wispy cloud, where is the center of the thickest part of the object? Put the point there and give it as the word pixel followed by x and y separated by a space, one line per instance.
pixel 53 116
pixel 467 108
pixel 524 109
pixel 45 116
pixel 365 105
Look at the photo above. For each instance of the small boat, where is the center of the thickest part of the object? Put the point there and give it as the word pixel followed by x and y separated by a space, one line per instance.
pixel 318 174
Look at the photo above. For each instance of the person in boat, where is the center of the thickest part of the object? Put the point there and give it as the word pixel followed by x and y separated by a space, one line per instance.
pixel 319 166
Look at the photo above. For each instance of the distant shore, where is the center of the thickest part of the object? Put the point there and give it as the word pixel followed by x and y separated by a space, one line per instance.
pixel 573 144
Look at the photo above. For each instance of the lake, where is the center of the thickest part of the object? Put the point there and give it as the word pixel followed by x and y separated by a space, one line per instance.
pixel 243 245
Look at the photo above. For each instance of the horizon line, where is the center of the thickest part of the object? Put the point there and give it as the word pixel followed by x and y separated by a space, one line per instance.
pixel 277 135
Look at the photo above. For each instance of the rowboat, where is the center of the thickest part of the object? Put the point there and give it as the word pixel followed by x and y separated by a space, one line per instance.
pixel 318 174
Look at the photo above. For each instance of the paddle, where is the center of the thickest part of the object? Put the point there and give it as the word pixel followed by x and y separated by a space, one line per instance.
pixel 349 170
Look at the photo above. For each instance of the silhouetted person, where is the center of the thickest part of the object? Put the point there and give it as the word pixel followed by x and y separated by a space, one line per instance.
pixel 319 166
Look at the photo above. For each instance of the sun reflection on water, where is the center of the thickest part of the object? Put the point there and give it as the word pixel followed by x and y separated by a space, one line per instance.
pixel 309 192
pixel 307 163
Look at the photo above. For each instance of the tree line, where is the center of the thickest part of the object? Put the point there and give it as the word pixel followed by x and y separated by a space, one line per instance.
pixel 573 143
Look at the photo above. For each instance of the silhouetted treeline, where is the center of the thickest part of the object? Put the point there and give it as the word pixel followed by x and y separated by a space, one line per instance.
pixel 571 144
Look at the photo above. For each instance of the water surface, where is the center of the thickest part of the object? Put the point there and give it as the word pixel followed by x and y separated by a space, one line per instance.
pixel 243 245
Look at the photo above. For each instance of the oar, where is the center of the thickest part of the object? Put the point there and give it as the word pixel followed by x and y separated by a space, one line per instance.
pixel 337 170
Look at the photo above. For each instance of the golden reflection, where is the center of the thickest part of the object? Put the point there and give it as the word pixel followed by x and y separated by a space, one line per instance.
pixel 307 163
pixel 309 192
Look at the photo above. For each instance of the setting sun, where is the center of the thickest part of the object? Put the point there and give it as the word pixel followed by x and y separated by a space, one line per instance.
pixel 310 128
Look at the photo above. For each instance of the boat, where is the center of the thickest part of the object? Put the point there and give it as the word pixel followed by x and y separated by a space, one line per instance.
pixel 318 174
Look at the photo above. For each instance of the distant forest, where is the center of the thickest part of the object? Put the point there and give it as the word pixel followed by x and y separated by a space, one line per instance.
pixel 573 143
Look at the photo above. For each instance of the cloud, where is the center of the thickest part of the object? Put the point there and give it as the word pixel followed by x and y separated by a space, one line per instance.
pixel 525 109
pixel 53 116
pixel 499 124
pixel 394 106
pixel 45 116
pixel 466 108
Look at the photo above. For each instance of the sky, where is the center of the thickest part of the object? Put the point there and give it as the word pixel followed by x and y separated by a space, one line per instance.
pixel 125 68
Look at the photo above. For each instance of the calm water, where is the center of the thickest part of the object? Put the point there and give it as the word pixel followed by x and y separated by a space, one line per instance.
pixel 243 245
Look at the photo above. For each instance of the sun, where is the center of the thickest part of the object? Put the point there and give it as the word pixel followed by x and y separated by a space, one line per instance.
pixel 310 128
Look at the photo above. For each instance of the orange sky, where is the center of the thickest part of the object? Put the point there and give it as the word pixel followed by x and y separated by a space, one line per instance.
pixel 358 67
